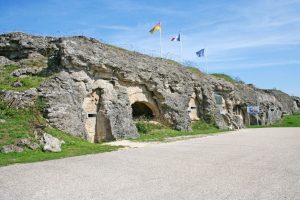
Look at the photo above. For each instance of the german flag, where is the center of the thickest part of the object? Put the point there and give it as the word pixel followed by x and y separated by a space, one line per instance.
pixel 155 28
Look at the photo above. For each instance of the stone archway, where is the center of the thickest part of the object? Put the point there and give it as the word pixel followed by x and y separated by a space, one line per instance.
pixel 142 102
pixel 142 110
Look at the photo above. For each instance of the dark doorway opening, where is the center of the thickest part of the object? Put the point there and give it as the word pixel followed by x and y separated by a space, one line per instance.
pixel 141 110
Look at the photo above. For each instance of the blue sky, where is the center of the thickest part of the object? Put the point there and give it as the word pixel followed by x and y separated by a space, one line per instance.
pixel 257 41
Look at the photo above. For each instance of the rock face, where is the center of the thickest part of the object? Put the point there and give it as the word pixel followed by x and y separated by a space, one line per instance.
pixel 4 61
pixel 25 71
pixel 99 89
pixel 20 99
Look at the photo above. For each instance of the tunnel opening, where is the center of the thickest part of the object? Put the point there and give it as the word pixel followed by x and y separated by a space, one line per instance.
pixel 141 110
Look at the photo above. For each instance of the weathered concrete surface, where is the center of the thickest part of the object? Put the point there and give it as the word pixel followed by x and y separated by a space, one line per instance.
pixel 249 164
pixel 94 88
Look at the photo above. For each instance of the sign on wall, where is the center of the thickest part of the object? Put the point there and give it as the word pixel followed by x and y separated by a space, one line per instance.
pixel 253 110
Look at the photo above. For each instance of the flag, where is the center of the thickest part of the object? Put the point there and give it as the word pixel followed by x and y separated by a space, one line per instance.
pixel 176 39
pixel 200 53
pixel 155 28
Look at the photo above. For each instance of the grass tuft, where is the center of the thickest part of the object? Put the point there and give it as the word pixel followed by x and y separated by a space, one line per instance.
pixel 19 124
pixel 153 132
pixel 195 71
pixel 228 78
pixel 225 77
pixel 7 80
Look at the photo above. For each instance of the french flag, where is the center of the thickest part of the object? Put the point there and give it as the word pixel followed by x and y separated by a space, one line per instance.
pixel 176 39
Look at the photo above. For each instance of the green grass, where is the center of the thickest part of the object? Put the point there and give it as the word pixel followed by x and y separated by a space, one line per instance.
pixel 195 71
pixel 225 77
pixel 152 132
pixel 7 80
pixel 290 121
pixel 19 124
pixel 73 147
pixel 287 121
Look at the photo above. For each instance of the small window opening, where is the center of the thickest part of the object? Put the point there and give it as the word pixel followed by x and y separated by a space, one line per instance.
pixel 90 115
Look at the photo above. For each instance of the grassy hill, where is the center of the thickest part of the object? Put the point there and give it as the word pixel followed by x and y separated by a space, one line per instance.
pixel 19 123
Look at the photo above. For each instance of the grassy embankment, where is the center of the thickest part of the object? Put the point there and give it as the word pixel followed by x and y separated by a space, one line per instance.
pixel 7 80
pixel 287 121
pixel 157 132
pixel 19 123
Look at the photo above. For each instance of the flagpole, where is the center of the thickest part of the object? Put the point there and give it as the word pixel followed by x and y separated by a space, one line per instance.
pixel 205 57
pixel 160 41
pixel 180 47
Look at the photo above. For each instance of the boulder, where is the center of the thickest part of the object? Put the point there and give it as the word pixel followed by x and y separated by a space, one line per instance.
pixel 51 143
pixel 23 99
pixel 33 146
pixel 11 148
pixel 17 84
pixel 25 142
pixel 5 61
pixel 26 71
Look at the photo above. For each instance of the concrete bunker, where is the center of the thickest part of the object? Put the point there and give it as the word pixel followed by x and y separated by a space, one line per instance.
pixel 97 125
pixel 91 107
pixel 141 110
pixel 193 108
pixel 142 103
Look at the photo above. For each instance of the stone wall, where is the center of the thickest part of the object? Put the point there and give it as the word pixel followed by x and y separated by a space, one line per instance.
pixel 96 85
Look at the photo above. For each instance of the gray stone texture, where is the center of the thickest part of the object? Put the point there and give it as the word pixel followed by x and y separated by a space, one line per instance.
pixel 11 148
pixel 84 65
pixel 20 99
pixel 51 143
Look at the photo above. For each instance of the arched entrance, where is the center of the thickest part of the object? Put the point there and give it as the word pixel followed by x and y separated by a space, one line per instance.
pixel 142 110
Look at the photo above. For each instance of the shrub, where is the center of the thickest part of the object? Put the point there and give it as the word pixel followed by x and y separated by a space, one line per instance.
pixel 146 127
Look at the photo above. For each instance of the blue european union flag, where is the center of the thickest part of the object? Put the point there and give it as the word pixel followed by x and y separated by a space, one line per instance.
pixel 178 38
pixel 200 53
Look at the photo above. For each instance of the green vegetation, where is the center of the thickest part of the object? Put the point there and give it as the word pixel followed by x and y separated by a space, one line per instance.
pixel 19 124
pixel 290 121
pixel 37 62
pixel 195 71
pixel 228 78
pixel 225 77
pixel 156 132
pixel 7 80
pixel 287 121
pixel 73 147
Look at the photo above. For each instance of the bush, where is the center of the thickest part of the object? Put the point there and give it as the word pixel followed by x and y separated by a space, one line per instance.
pixel 201 125
pixel 40 104
pixel 6 111
pixel 146 127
